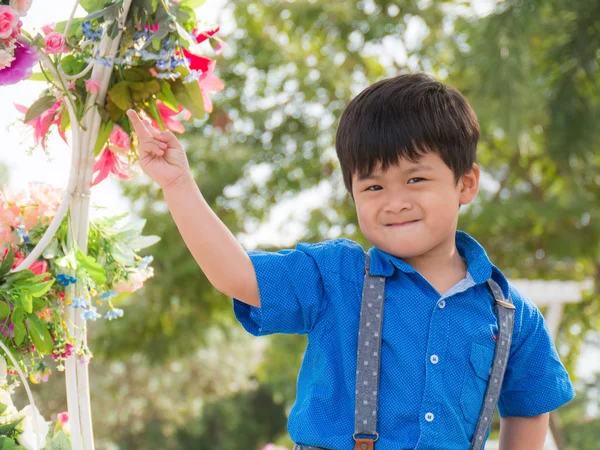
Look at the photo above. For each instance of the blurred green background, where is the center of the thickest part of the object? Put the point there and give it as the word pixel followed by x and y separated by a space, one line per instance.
pixel 177 372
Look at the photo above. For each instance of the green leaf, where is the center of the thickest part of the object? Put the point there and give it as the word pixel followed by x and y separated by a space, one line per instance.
pixel 7 264
pixel 92 5
pixel 141 91
pixel 2 408
pixel 119 94
pixel 37 76
pixel 39 106
pixel 15 277
pixel 4 311
pixel 189 94
pixel 7 443
pixel 166 96
pixel 39 334
pixel 103 136
pixel 75 30
pixel 91 266
pixel 60 441
pixel 65 121
pixel 18 315
pixel 27 301
pixel 137 74
pixel 38 304
pixel 73 65
pixel 193 3
pixel 38 290
pixel 20 333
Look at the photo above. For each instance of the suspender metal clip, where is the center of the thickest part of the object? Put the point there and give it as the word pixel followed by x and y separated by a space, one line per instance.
pixel 505 304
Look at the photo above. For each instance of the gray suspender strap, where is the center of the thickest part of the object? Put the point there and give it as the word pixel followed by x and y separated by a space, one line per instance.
pixel 369 354
pixel 367 361
pixel 505 312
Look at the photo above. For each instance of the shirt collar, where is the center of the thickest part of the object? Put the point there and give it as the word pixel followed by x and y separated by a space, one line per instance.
pixel 479 266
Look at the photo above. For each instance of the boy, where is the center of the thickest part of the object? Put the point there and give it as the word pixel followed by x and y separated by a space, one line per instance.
pixel 454 338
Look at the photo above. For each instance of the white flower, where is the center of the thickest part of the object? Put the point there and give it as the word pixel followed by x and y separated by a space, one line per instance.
pixel 6 59
pixel 27 438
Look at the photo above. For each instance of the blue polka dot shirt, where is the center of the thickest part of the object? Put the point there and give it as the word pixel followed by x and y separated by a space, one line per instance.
pixel 436 351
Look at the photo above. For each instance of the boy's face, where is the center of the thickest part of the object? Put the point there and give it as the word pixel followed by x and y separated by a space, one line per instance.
pixel 411 209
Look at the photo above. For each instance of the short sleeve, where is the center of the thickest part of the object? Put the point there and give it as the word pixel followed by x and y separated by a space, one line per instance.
pixel 292 295
pixel 535 382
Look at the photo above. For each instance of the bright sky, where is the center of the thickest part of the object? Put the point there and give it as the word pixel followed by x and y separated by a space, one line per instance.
pixel 54 168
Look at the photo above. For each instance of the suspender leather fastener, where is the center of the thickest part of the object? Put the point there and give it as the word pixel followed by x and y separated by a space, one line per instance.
pixel 364 444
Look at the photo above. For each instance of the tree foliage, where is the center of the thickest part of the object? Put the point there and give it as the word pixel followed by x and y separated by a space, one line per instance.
pixel 530 69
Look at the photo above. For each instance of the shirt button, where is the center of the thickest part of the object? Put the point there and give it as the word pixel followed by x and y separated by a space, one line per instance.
pixel 429 417
pixel 434 359
pixel 442 304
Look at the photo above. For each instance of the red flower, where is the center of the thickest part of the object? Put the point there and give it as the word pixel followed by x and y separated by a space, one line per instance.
pixel 107 163
pixel 203 35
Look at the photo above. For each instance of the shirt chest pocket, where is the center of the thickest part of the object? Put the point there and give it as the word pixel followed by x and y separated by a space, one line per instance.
pixel 475 381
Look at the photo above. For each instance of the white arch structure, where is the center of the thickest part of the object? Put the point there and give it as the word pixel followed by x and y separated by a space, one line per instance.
pixel 76 198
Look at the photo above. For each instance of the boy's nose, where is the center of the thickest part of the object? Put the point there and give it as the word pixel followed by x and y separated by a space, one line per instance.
pixel 397 203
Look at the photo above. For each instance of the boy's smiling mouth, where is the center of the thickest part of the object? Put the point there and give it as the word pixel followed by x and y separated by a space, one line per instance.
pixel 402 224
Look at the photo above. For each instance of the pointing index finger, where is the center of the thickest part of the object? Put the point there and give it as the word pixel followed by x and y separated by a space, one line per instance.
pixel 138 125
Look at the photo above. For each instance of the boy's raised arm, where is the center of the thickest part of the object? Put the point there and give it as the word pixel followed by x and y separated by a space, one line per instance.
pixel 215 249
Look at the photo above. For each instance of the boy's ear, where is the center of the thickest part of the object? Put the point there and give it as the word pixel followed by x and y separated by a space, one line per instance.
pixel 469 185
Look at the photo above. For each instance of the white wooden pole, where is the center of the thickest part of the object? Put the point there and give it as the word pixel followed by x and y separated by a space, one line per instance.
pixel 77 375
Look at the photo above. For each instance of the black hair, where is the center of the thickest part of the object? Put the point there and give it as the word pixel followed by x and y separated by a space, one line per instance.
pixel 403 118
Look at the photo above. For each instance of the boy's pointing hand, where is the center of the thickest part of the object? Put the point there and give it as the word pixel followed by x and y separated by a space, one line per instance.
pixel 161 155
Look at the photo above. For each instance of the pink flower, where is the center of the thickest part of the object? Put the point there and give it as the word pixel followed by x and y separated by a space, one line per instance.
pixel 208 84
pixel 8 21
pixel 55 43
pixel 6 58
pixel 49 28
pixel 42 123
pixel 135 280
pixel 21 67
pixel 45 201
pixel 92 86
pixel 120 140
pixel 168 114
pixel 63 418
pixel 107 163
pixel 21 6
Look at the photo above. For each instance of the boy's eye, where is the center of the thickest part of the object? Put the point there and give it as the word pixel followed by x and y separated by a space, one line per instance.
pixel 374 188
pixel 415 180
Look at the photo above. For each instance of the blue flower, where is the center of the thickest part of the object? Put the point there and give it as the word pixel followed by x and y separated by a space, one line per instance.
pixel 90 314
pixel 163 65
pixel 108 295
pixel 23 234
pixel 148 56
pixel 88 31
pixel 65 279
pixel 114 313
pixel 192 76
pixel 80 302
pixel 145 262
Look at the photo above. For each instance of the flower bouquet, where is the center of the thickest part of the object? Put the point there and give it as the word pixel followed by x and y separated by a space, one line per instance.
pixel 32 302
pixel 159 69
